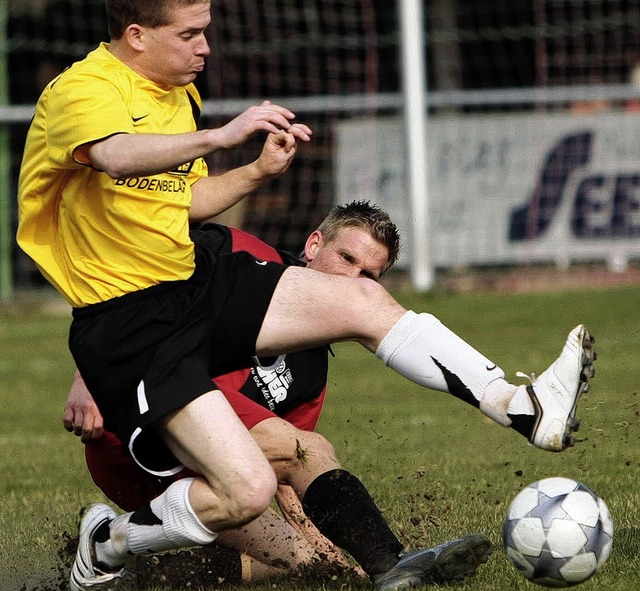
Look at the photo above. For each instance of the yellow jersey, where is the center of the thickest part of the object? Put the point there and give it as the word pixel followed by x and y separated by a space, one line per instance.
pixel 93 237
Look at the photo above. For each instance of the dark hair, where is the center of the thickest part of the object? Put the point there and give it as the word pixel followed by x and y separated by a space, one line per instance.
pixel 369 217
pixel 148 13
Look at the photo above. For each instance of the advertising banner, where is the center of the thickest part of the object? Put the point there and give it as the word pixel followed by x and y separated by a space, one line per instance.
pixel 506 189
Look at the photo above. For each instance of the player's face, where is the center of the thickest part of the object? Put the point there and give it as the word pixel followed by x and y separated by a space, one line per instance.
pixel 174 54
pixel 353 253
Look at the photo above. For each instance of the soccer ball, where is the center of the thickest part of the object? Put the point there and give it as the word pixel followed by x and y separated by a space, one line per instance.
pixel 557 532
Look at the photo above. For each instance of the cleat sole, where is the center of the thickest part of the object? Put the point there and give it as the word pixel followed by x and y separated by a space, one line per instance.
pixel 461 560
pixel 588 372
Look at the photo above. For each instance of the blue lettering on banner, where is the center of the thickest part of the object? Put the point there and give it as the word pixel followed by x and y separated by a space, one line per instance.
pixel 604 205
pixel 607 206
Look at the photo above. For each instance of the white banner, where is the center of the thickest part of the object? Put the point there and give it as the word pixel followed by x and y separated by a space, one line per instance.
pixel 506 188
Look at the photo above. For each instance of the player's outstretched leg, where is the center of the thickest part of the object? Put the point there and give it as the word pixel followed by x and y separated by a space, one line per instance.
pixel 86 574
pixel 451 561
pixel 555 394
pixel 422 349
pixel 342 509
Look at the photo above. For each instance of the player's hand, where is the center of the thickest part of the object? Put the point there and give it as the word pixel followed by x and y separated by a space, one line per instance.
pixel 277 153
pixel 81 415
pixel 265 117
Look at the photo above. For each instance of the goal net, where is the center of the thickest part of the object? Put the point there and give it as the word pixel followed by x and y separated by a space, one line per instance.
pixel 532 116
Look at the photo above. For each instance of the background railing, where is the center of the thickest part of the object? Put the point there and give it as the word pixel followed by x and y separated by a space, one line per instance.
pixel 533 108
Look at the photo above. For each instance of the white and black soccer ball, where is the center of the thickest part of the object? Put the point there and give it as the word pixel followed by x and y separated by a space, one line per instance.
pixel 558 532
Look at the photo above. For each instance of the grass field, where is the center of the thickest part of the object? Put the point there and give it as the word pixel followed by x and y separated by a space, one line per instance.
pixel 436 467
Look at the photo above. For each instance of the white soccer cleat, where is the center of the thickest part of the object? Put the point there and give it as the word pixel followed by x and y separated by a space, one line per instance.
pixel 85 575
pixel 555 393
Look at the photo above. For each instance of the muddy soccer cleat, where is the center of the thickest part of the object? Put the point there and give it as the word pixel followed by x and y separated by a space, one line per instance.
pixel 85 574
pixel 556 391
pixel 451 561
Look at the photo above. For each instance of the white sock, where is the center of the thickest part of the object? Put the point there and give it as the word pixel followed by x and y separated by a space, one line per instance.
pixel 521 402
pixel 425 351
pixel 502 399
pixel 168 522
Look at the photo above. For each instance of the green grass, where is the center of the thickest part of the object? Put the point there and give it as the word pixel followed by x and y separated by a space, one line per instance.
pixel 438 468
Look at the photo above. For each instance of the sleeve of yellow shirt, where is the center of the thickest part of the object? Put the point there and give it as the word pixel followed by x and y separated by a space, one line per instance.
pixel 83 109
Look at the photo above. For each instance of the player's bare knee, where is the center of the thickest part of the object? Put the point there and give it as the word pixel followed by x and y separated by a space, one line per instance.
pixel 250 497
pixel 322 447
pixel 371 298
pixel 312 448
pixel 373 312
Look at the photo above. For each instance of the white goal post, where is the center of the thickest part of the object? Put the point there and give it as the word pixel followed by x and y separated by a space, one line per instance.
pixel 415 124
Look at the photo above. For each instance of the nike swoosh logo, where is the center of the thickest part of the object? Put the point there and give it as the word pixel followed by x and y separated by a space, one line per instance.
pixel 491 367
pixel 456 386
pixel 261 263
pixel 136 119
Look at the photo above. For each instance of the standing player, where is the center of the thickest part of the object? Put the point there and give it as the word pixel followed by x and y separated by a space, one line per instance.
pixel 112 173
pixel 280 402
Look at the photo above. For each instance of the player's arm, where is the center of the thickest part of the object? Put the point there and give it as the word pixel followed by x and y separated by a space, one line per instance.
pixel 81 415
pixel 125 155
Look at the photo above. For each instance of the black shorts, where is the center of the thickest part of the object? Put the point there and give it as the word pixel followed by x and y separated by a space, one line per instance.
pixel 148 353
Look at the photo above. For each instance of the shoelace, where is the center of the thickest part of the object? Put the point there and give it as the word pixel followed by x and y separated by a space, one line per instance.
pixel 531 377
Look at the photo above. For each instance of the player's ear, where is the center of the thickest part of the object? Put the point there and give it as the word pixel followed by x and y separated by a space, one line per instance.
pixel 135 37
pixel 311 247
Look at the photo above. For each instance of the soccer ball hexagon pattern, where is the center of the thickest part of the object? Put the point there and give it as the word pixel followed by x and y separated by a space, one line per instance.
pixel 558 532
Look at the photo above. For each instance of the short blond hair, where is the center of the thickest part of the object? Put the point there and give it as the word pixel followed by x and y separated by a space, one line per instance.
pixel 368 217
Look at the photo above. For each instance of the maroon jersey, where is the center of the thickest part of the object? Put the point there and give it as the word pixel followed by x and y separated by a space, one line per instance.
pixel 290 386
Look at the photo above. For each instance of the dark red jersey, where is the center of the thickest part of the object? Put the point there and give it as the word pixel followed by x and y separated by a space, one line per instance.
pixel 290 386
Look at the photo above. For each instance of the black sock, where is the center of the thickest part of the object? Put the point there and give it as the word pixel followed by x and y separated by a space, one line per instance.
pixel 342 509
